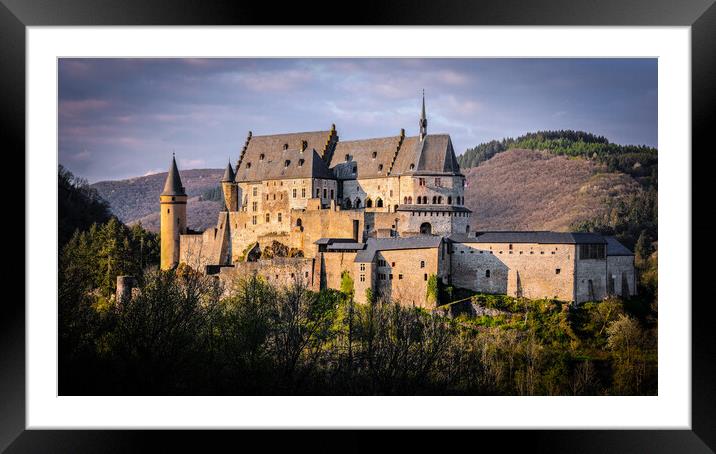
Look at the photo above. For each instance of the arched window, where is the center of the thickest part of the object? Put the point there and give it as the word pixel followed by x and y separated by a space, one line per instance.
pixel 426 228
pixel 412 166
pixel 467 229
pixel 450 200
pixel 420 200
pixel 410 200
pixel 379 203
pixel 347 203
pixel 286 163
pixel 487 273
pixel 268 217
pixel 440 199
pixel 425 200
pixel 368 203
pixel 405 200
pixel 299 222
pixel 435 200
pixel 395 208
pixel 285 146
pixel 357 204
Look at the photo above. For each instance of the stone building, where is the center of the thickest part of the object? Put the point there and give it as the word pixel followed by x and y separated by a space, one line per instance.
pixel 389 211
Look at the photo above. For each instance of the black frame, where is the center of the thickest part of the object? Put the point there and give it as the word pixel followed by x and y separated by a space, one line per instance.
pixel 15 15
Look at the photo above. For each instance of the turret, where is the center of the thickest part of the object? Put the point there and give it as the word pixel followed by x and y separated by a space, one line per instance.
pixel 172 205
pixel 231 197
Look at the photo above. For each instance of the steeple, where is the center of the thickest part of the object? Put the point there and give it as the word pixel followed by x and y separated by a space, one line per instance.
pixel 228 173
pixel 423 121
pixel 173 184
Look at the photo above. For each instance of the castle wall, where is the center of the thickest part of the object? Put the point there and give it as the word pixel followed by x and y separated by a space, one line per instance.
pixel 279 272
pixel 404 275
pixel 620 270
pixel 528 270
pixel 441 222
pixel 387 190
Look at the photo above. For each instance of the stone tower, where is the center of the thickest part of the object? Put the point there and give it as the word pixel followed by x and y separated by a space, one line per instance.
pixel 172 203
pixel 423 121
pixel 231 197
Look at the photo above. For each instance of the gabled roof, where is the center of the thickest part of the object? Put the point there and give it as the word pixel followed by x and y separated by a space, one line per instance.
pixel 432 155
pixel 374 245
pixel 538 237
pixel 615 248
pixel 358 154
pixel 265 157
pixel 172 185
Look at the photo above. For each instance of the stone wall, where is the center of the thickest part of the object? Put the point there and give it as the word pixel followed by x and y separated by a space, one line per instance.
pixel 403 277
pixel 278 272
pixel 172 225
pixel 528 270
pixel 620 271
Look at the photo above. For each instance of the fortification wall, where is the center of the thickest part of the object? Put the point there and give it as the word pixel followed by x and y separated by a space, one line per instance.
pixel 404 276
pixel 279 272
pixel 620 271
pixel 590 280
pixel 528 270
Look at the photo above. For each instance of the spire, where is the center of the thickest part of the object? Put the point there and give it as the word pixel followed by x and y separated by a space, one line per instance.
pixel 228 173
pixel 173 184
pixel 423 121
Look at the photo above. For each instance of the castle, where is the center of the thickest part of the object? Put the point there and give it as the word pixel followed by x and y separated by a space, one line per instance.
pixel 390 211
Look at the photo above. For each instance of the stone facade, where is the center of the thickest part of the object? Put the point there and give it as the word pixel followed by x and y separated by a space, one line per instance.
pixel 389 211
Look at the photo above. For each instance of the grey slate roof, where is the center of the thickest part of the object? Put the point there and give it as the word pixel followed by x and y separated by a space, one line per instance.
pixel 539 237
pixel 172 185
pixel 615 248
pixel 265 157
pixel 360 157
pixel 345 246
pixel 333 240
pixel 433 155
pixel 228 173
pixel 374 245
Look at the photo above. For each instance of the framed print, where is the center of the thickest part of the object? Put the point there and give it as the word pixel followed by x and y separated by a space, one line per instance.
pixel 435 217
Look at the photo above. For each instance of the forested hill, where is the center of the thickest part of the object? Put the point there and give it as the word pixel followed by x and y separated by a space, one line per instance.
pixel 638 161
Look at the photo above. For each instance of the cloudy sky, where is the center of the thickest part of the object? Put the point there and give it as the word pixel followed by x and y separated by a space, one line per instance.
pixel 120 118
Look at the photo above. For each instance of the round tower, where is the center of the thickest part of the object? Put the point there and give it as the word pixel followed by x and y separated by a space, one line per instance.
pixel 172 205
pixel 228 185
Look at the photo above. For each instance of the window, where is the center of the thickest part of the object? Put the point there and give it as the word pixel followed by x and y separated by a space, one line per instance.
pixel 325 193
pixel 248 165
pixel 591 251
pixel 268 217
pixel 300 162
pixel 167 210
pixel 355 169
pixel 285 146
pixel 421 181
pixel 306 273
pixel 253 220
pixel 287 162
pixel 362 277
pixel 487 273
pixel 348 158
pixel 267 196
pixel 303 193
pixel 435 200
pixel 557 271
pixel 449 200
pixel 400 277
pixel 318 193
pixel 382 262
pixel 380 167
pixel 405 200
pixel 256 191
pixel 255 206
pixel 369 203
pixel 375 154
pixel 294 193
pixel 425 276
pixel 437 182
pixel 261 157
pixel 419 200
pixel 331 194
pixel 510 247
pixel 279 217
pixel 362 266
pixel 422 264
pixel 379 203
pixel 425 200
pixel 412 166
pixel 390 276
pixel 440 199
pixel 392 263
pixel 299 222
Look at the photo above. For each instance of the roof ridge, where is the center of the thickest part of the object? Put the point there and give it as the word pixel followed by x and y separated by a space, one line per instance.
pixel 397 150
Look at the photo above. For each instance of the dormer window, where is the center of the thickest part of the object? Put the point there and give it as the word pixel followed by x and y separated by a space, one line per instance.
pixel 285 146
pixel 261 157
pixel 286 163
pixel 375 154
pixel 380 167
pixel 300 162
pixel 412 166
pixel 248 165
pixel 304 145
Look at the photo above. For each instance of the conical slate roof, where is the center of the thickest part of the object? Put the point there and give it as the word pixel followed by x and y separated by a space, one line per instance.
pixel 228 173
pixel 173 184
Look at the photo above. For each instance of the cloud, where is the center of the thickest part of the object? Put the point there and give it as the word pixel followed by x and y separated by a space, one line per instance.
pixel 83 155
pixel 191 163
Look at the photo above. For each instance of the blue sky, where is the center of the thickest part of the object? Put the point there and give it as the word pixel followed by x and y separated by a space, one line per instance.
pixel 120 118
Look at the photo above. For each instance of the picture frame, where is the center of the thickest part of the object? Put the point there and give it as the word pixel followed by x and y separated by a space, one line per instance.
pixel 16 15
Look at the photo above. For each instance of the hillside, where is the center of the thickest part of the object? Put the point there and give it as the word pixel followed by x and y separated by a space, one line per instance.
pixel 137 199
pixel 532 190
